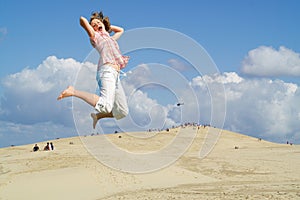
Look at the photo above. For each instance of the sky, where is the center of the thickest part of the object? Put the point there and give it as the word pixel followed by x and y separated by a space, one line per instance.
pixel 234 64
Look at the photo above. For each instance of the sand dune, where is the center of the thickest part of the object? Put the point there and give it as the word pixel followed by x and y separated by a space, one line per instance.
pixel 238 167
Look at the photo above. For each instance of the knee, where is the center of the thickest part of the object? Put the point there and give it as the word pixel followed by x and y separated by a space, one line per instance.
pixel 102 107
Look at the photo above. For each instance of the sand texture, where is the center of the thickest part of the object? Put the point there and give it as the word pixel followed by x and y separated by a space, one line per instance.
pixel 238 167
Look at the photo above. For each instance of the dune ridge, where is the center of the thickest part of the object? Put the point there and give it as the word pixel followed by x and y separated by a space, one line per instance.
pixel 238 167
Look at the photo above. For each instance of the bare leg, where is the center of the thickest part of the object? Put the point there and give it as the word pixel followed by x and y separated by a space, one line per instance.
pixel 98 116
pixel 90 98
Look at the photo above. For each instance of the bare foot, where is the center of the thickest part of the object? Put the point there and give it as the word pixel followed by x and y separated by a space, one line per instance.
pixel 95 119
pixel 66 93
pixel 98 116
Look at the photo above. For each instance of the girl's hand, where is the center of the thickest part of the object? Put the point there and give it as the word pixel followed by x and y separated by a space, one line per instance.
pixel 118 31
pixel 87 27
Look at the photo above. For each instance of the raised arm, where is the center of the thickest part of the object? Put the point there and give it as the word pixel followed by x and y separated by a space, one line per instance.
pixel 118 31
pixel 87 27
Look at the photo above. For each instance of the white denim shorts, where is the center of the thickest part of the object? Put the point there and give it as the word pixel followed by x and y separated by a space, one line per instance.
pixel 112 97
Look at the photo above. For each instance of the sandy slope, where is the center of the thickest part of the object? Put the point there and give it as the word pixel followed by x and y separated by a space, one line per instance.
pixel 253 170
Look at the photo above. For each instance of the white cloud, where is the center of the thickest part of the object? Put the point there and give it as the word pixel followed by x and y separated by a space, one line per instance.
pixel 29 100
pixel 144 112
pixel 227 77
pixel 267 61
pixel 177 64
pixel 30 95
pixel 260 107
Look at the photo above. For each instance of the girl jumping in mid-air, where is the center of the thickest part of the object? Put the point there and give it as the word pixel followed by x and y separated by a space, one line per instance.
pixel 112 101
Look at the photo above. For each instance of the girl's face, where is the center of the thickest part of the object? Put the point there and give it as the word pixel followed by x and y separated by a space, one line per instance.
pixel 97 25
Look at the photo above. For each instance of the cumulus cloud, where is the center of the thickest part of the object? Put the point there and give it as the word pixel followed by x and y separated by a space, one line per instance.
pixel 269 62
pixel 259 107
pixel 29 96
pixel 146 112
pixel 28 104
pixel 29 100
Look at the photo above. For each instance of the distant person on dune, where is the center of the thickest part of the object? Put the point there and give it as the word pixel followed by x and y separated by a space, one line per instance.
pixel 47 147
pixel 51 146
pixel 111 103
pixel 36 147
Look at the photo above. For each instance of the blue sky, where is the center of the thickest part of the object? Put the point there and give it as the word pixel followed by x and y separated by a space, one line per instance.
pixel 226 29
pixel 247 40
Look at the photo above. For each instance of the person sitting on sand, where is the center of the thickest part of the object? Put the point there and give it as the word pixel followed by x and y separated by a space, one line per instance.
pixel 47 147
pixel 111 103
pixel 51 146
pixel 36 147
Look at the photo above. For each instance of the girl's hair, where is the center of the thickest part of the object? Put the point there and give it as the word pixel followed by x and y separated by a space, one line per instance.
pixel 103 19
